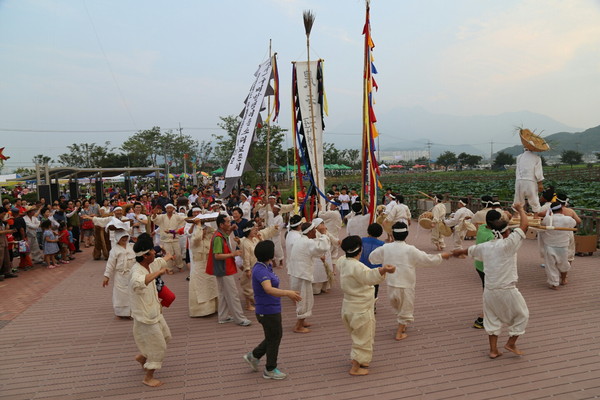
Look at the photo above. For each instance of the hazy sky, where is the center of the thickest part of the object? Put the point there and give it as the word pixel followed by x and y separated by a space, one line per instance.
pixel 127 65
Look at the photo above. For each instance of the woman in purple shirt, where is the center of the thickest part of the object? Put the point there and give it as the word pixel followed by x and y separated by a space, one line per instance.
pixel 268 310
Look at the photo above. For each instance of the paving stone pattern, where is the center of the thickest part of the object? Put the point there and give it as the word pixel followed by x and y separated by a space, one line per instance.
pixel 63 342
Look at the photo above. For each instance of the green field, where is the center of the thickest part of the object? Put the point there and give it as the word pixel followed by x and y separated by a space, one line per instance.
pixel 582 184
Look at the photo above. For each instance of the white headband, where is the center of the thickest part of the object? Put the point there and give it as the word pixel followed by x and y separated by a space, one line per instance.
pixel 400 230
pixel 272 197
pixel 498 234
pixel 353 250
pixel 556 207
pixel 310 228
pixel 462 202
pixel 392 196
pixel 196 209
pixel 169 205
pixel 141 253
pixel 565 201
pixel 117 208
pixel 277 206
pixel 495 203
pixel 296 224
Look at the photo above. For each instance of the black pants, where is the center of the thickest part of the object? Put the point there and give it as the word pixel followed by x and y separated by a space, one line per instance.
pixel 271 324
pixel 76 234
pixel 482 277
pixel 376 290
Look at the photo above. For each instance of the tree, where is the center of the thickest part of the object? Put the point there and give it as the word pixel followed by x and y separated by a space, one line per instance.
pixel 21 171
pixel 257 156
pixel 571 157
pixel 503 159
pixel 204 154
pixel 447 159
pixel 470 160
pixel 85 155
pixel 146 145
pixel 352 157
pixel 41 159
pixel 331 155
pixel 422 160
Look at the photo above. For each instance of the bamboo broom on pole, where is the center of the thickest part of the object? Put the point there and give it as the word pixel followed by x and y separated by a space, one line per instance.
pixel 309 19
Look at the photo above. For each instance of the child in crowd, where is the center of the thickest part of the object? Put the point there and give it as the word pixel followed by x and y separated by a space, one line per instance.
pixel 63 243
pixel 369 244
pixel 50 241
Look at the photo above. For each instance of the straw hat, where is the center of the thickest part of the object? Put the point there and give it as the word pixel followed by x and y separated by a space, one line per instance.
pixel 533 142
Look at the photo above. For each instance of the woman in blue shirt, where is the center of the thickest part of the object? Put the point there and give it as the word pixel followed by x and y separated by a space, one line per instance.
pixel 267 298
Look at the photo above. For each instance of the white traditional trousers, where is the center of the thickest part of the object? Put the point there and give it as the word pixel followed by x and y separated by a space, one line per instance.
pixel 303 307
pixel 527 190
pixel 504 306
pixel 403 302
pixel 361 326
pixel 151 340
pixel 557 261
pixel 175 249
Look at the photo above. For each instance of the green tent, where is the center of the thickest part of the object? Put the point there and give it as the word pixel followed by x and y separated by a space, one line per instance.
pixel 218 171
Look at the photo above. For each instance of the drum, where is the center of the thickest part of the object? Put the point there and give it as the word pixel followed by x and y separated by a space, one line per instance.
pixel 444 229
pixel 426 220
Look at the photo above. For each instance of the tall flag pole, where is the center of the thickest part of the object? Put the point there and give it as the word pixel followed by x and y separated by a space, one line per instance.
pixel 251 119
pixel 370 167
pixel 309 103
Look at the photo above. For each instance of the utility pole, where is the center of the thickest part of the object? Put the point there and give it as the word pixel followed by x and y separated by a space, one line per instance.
pixel 491 150
pixel 184 156
pixel 429 152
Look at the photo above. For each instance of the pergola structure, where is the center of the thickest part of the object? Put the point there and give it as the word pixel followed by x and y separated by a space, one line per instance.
pixel 47 178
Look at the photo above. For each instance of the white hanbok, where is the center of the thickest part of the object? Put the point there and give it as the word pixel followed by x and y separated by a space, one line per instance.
pixel 150 330
pixel 401 283
pixel 556 246
pixel 528 173
pixel 301 269
pixel 118 269
pixel 203 291
pixel 502 301
pixel 357 282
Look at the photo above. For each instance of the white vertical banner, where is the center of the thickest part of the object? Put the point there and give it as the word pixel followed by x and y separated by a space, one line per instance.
pixel 235 167
pixel 313 134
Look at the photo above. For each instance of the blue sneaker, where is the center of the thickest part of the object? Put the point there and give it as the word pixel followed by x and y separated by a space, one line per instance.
pixel 275 374
pixel 252 361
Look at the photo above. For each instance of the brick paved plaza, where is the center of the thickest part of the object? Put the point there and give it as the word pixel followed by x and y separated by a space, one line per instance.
pixel 60 340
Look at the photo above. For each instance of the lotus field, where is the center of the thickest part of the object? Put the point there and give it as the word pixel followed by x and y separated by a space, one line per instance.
pixel 581 185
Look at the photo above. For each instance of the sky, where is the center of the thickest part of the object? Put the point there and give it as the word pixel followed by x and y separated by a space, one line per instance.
pixel 90 71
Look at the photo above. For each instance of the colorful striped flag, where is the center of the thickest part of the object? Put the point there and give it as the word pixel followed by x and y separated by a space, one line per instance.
pixel 370 167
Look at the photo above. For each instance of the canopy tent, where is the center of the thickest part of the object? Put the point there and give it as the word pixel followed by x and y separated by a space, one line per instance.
pixel 291 168
pixel 153 174
pixel 397 166
pixel 217 171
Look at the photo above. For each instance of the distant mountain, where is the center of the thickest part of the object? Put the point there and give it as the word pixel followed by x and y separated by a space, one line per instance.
pixel 411 128
pixel 585 142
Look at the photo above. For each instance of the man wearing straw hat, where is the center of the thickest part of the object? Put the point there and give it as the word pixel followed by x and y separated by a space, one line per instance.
pixel 529 177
